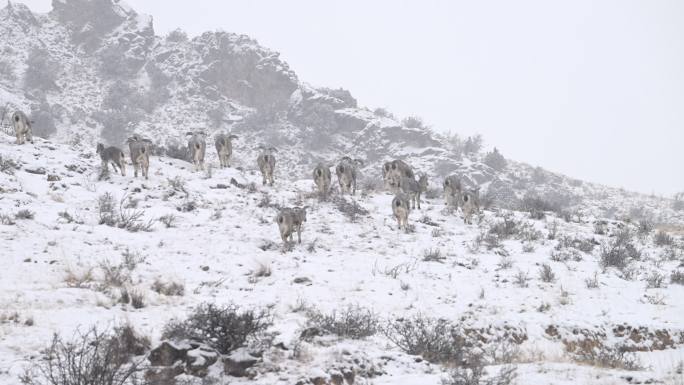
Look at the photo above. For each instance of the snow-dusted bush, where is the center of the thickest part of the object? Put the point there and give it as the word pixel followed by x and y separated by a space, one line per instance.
pixel 678 203
pixel 620 251
pixel 677 277
pixel 350 208
pixel 225 328
pixel 433 255
pixel 475 373
pixel 614 357
pixel 353 322
pixel 24 214
pixel 175 150
pixel 436 340
pixel 538 206
pixel 655 281
pixel 495 160
pixel 123 217
pixel 177 36
pixel 472 145
pixel 562 254
pixel 662 238
pixel 546 274
pixel 94 358
pixel 168 288
pixel 413 122
pixel 8 165
pixel 582 244
pixel 383 113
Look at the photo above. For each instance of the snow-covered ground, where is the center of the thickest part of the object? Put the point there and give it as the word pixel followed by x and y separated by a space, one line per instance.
pixel 225 233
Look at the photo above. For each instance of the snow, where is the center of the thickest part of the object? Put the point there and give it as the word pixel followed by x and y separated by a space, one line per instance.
pixel 349 264
pixel 367 262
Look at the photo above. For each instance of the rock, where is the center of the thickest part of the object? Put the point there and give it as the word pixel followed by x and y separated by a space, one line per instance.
pixel 53 178
pixel 38 171
pixel 309 333
pixel 237 363
pixel 168 353
pixel 164 375
pixel 336 379
pixel 302 280
pixel 200 359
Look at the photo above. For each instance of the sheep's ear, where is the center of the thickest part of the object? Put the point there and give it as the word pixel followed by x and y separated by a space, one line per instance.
pixel 233 136
pixel 273 149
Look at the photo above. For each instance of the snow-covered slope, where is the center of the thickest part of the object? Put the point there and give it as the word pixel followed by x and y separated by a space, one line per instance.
pixel 95 71
pixel 224 232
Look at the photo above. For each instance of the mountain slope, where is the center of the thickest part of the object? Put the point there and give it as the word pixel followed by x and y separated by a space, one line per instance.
pixel 97 71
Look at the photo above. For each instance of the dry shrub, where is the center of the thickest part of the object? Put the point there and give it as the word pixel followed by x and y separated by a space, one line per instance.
pixel 92 358
pixel 169 288
pixel 225 328
pixel 353 322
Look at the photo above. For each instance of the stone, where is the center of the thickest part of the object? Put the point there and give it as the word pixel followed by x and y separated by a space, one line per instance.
pixel 237 363
pixel 200 359
pixel 168 353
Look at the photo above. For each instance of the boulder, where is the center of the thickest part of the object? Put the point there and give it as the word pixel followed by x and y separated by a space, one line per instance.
pixel 237 363
pixel 168 353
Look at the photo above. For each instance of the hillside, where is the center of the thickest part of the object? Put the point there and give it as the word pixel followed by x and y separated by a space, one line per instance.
pixel 566 281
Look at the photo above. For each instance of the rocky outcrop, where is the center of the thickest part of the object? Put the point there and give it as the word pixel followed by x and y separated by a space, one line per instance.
pixel 171 359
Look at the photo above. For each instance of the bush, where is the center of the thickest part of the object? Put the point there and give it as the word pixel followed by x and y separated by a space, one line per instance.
pixel 353 322
pixel 495 160
pixel 614 357
pixel 93 358
pixel 8 165
pixel 521 279
pixel 383 113
pixel 678 202
pixel 436 340
pixel 350 208
pixel 662 238
pixel 225 328
pixel 123 218
pixel 619 252
pixel 168 220
pixel 175 150
pixel 677 277
pixel 655 281
pixel 177 36
pixel 433 255
pixel 564 255
pixel 24 214
pixel 413 122
pixel 546 274
pixel 645 227
pixel 169 288
pixel 472 145
pixel 537 206
pixel 475 373
pixel 582 244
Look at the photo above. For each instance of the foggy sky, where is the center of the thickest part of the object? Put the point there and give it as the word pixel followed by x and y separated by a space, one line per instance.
pixel 592 89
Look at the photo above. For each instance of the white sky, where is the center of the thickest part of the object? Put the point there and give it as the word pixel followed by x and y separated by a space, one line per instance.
pixel 593 89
